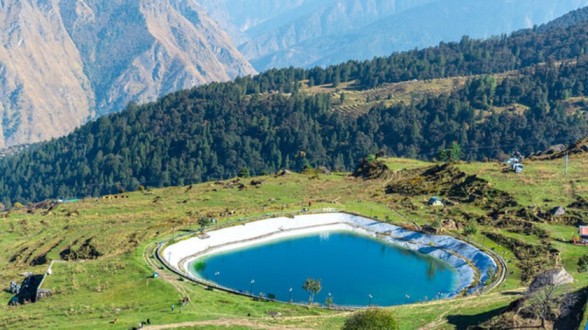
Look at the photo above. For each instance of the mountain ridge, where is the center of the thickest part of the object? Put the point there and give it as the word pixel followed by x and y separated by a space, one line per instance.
pixel 340 30
pixel 266 122
pixel 30 63
pixel 64 62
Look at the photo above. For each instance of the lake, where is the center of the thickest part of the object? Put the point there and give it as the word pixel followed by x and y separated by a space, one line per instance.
pixel 354 270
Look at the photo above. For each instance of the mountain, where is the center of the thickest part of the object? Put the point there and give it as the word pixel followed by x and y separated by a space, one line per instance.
pixel 64 62
pixel 523 92
pixel 308 33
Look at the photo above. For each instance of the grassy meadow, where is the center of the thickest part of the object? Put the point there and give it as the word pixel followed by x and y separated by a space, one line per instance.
pixel 108 243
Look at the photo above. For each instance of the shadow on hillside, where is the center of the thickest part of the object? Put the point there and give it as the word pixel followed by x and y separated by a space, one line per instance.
pixel 571 317
pixel 462 322
pixel 27 291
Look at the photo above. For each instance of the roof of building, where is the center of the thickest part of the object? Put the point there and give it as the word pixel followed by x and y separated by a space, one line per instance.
pixel 584 230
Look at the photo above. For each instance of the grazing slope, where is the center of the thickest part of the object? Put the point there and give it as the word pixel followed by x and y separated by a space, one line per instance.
pixel 63 62
pixel 108 243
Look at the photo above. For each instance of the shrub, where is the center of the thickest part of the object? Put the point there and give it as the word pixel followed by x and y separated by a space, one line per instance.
pixel 583 264
pixel 244 172
pixel 372 319
pixel 470 228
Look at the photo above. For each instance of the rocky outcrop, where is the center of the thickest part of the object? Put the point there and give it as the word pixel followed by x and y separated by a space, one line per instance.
pixel 371 169
pixel 64 62
pixel 560 151
pixel 448 181
pixel 555 277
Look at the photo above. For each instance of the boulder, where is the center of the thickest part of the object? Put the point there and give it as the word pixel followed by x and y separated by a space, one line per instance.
pixel 556 149
pixel 323 170
pixel 556 277
pixel 450 224
pixel 557 211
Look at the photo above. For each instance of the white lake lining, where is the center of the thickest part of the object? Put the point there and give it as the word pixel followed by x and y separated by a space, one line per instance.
pixel 472 265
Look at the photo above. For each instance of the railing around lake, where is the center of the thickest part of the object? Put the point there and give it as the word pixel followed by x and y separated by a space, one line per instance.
pixel 229 223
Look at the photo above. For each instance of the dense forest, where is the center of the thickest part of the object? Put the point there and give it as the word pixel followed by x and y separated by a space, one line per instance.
pixel 214 131
pixel 564 38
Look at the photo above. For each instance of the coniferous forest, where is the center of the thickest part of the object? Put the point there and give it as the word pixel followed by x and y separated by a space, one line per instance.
pixel 268 122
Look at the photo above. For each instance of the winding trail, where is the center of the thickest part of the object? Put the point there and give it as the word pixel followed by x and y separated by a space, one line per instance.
pixel 224 323
pixel 149 256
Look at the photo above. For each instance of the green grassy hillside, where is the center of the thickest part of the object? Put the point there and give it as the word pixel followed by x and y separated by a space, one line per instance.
pixel 108 242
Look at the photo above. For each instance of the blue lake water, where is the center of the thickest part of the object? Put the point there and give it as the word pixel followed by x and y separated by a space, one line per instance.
pixel 351 267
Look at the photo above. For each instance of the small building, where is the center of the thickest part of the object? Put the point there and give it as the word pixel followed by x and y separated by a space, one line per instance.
pixel 517 167
pixel 583 231
pixel 435 201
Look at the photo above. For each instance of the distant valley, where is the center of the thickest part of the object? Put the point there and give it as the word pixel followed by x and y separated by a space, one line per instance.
pixel 306 33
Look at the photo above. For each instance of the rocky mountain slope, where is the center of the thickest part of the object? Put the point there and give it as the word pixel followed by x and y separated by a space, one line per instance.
pixel 307 33
pixel 64 62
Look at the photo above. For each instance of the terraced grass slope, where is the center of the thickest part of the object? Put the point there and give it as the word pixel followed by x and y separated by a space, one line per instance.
pixel 107 243
pixel 347 99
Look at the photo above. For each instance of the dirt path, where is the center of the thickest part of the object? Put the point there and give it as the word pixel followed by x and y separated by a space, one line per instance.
pixel 253 324
pixel 261 323
pixel 164 274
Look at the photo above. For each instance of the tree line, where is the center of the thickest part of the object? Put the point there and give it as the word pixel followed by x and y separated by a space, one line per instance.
pixel 564 38
pixel 214 131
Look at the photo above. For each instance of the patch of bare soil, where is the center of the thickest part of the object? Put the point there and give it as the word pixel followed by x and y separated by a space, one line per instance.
pixel 86 250
pixel 227 323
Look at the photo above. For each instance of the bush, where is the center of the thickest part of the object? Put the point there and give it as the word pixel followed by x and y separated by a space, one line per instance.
pixel 583 264
pixel 244 172
pixel 470 228
pixel 372 319
pixel 370 158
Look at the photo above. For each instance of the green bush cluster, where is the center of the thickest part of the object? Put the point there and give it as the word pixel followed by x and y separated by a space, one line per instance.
pixel 372 319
